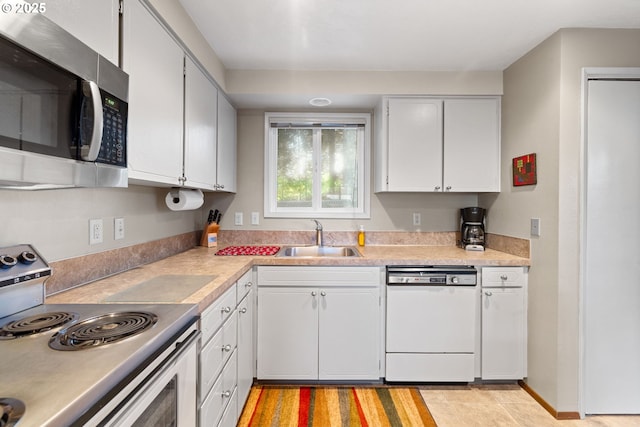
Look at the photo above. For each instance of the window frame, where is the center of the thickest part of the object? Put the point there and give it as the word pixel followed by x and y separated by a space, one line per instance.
pixel 271 209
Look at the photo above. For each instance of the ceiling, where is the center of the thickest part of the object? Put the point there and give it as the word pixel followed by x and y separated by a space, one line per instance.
pixel 393 35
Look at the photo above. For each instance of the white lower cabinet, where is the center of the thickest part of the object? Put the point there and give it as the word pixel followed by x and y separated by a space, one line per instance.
pixel 504 323
pixel 319 323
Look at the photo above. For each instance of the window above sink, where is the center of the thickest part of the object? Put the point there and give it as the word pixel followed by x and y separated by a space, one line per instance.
pixel 317 165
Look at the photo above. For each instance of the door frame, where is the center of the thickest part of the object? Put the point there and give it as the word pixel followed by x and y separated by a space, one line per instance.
pixel 589 73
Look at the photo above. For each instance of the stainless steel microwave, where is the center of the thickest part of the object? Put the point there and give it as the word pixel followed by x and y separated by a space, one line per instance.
pixel 63 109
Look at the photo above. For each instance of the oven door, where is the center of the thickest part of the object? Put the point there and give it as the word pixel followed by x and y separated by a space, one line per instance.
pixel 168 397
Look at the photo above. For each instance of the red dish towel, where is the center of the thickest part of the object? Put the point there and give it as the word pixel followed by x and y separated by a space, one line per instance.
pixel 249 250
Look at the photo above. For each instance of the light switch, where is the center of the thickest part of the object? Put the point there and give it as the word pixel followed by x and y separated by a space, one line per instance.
pixel 535 226
pixel 416 218
pixel 239 218
pixel 118 228
pixel 255 218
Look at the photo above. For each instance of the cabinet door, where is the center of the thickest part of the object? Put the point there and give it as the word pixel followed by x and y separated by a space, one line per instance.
pixel 503 333
pixel 95 22
pixel 472 145
pixel 155 63
pixel 200 128
pixel 246 361
pixel 287 333
pixel 414 145
pixel 227 146
pixel 349 334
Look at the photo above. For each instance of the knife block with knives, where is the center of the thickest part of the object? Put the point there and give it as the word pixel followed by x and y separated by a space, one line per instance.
pixel 210 233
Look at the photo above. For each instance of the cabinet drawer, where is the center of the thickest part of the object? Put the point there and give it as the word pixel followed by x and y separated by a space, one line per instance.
pixel 319 276
pixel 214 355
pixel 503 276
pixel 213 317
pixel 244 285
pixel 230 417
pixel 430 367
pixel 220 395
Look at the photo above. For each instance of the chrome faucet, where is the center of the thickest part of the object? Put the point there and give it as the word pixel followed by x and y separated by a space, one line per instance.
pixel 318 232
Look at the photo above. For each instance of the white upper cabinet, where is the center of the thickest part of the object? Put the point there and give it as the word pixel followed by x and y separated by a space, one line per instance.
pixel 472 145
pixel 415 144
pixel 95 22
pixel 227 146
pixel 155 64
pixel 181 131
pixel 426 144
pixel 200 128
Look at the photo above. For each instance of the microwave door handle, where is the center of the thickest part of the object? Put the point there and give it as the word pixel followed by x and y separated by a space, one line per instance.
pixel 91 154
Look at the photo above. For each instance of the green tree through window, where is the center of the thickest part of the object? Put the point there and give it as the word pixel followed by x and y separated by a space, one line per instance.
pixel 316 167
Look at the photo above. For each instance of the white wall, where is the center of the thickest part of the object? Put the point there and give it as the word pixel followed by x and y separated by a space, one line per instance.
pixel 56 222
pixel 541 113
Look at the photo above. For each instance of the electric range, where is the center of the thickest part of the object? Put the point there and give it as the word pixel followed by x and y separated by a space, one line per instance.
pixel 61 364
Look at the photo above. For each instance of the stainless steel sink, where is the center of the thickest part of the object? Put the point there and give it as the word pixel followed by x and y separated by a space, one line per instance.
pixel 318 251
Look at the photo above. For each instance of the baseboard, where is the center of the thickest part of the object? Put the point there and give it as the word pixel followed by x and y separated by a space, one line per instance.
pixel 557 415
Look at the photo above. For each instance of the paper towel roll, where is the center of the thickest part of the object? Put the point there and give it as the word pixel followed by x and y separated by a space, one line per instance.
pixel 184 199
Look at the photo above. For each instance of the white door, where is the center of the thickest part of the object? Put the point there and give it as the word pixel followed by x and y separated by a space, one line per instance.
pixel 288 333
pixel 472 145
pixel 612 270
pixel 415 144
pixel 200 127
pixel 155 64
pixel 349 334
pixel 503 333
pixel 227 146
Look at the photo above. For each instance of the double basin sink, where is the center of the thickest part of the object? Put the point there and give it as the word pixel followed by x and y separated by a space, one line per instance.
pixel 318 251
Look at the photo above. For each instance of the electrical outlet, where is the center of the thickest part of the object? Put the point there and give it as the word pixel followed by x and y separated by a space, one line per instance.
pixel 535 226
pixel 95 231
pixel 255 218
pixel 416 218
pixel 239 218
pixel 118 228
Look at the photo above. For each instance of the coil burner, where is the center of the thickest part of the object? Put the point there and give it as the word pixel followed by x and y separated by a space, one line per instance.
pixel 11 410
pixel 35 324
pixel 102 330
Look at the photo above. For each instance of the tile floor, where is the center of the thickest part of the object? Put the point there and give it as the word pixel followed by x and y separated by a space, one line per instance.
pixel 501 405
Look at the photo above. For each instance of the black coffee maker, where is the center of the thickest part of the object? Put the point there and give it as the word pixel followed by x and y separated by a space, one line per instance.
pixel 472 228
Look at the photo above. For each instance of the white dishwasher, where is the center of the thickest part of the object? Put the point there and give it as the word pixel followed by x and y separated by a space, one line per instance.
pixel 431 323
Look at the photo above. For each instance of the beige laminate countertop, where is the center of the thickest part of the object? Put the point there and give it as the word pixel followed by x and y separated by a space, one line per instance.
pixel 228 269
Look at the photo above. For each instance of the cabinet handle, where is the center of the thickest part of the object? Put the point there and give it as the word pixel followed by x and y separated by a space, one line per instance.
pixel 314 293
pixel 487 293
pixel 243 310
pixel 504 277
pixel 448 188
pixel 226 393
pixel 226 309
pixel 437 188
pixel 227 348
pixel 323 293
pixel 248 284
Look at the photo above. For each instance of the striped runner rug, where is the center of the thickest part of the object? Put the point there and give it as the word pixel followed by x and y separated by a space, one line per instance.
pixel 335 406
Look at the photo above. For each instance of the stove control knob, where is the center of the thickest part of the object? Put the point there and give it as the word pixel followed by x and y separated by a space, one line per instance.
pixel 27 257
pixel 7 261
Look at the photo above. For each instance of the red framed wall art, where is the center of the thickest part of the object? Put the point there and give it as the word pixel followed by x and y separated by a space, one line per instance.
pixel 524 170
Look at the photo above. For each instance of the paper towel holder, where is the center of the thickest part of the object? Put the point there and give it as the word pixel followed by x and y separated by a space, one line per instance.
pixel 181 199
